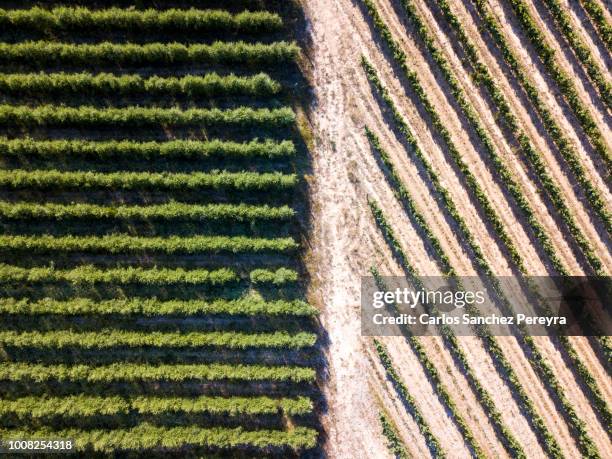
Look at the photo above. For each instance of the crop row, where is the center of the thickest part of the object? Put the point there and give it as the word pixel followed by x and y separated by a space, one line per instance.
pixel 130 20
pixel 88 274
pixel 149 437
pixel 82 405
pixel 54 115
pixel 596 13
pixel 395 445
pixel 564 146
pixel 131 372
pixel 109 338
pixel 508 117
pixel 107 84
pixel 538 361
pixel 400 387
pixel 153 307
pixel 564 23
pixel 564 81
pixel 506 437
pixel 122 243
pixel 169 211
pixel 172 149
pixel 53 180
pixel 40 54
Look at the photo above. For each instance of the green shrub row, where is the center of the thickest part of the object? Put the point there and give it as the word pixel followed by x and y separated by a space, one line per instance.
pixel 401 388
pixel 216 180
pixel 279 277
pixel 153 307
pixel 88 274
pixel 84 405
pixel 123 243
pixel 506 115
pixel 107 84
pixel 130 372
pixel 481 75
pixel 169 211
pixel 42 54
pixel 192 149
pixel 506 437
pixel 596 13
pixel 109 338
pixel 133 116
pixel 581 50
pixel 564 81
pixel 149 437
pixel 395 445
pixel 61 19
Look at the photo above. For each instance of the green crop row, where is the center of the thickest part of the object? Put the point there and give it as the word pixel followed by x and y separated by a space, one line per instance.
pixel 192 149
pixel 169 211
pixel 149 437
pixel 508 117
pixel 88 274
pixel 401 388
pixel 56 115
pixel 130 20
pixel 395 445
pixel 41 54
pixel 53 179
pixel 506 437
pixel 83 405
pixel 279 277
pixel 581 50
pixel 109 338
pixel 123 243
pixel 153 307
pixel 564 81
pixel 106 84
pixel 130 372
pixel 596 13
pixel 566 149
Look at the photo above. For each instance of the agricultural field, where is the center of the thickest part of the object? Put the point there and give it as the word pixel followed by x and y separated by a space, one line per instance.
pixel 152 293
pixel 191 194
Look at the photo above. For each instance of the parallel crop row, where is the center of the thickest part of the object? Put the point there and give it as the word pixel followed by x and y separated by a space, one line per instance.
pixel 107 84
pixel 581 49
pixel 148 437
pixel 127 149
pixel 57 180
pixel 395 445
pixel 82 405
pixel 53 115
pixel 108 338
pixel 153 307
pixel 564 81
pixel 508 117
pixel 565 147
pixel 130 372
pixel 40 54
pixel 596 13
pixel 115 19
pixel 88 274
pixel 169 211
pixel 122 243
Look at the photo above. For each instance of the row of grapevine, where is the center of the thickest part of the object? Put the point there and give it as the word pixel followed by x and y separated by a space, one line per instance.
pixel 564 81
pixel 89 274
pixel 83 405
pixel 192 20
pixel 106 338
pixel 596 13
pixel 567 150
pixel 172 149
pixel 107 84
pixel 53 115
pixel 216 180
pixel 39 54
pixel 153 307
